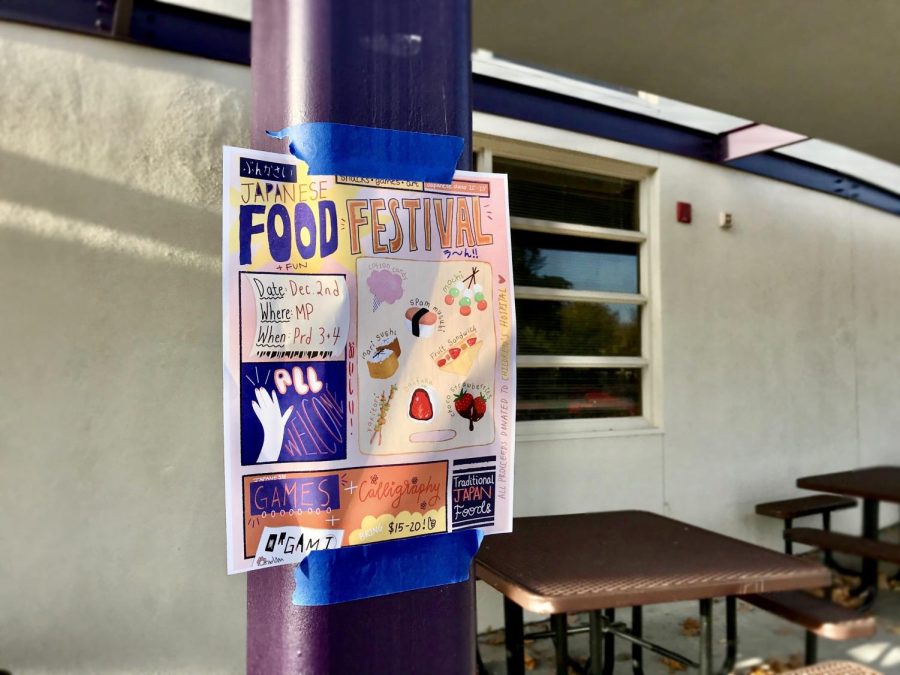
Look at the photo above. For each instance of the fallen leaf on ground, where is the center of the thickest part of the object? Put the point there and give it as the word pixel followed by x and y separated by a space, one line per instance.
pixel 888 582
pixel 673 665
pixel 761 669
pixel 795 661
pixel 843 597
pixel 770 666
pixel 690 627
pixel 846 580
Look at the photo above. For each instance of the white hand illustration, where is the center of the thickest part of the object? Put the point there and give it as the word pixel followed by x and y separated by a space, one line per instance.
pixel 273 422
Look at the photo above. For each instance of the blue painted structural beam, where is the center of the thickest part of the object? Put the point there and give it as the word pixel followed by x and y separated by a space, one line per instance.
pixel 819 178
pixel 508 99
pixel 178 29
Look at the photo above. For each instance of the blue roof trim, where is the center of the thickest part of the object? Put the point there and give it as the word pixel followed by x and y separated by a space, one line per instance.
pixel 178 29
pixel 153 24
pixel 507 99
pixel 79 16
pixel 798 172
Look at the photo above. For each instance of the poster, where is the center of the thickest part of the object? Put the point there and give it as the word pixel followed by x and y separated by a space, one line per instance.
pixel 369 358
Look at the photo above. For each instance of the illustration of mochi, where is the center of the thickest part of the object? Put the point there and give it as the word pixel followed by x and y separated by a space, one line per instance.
pixel 385 286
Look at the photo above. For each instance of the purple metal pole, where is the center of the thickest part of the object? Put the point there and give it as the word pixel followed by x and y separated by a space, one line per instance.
pixel 396 64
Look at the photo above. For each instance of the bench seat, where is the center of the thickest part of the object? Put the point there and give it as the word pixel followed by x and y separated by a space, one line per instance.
pixel 788 509
pixel 845 543
pixel 816 615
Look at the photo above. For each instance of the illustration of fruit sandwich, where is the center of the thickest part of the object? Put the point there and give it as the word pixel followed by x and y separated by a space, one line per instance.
pixel 460 358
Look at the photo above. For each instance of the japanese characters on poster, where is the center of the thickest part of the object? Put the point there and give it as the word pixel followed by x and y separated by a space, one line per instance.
pixel 369 346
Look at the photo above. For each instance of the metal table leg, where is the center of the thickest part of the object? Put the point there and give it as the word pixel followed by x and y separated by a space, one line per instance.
pixel 596 639
pixel 609 644
pixel 515 645
pixel 706 637
pixel 637 651
pixel 869 565
pixel 730 635
pixel 560 629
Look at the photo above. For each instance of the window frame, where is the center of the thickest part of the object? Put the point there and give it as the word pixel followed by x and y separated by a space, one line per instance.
pixel 528 143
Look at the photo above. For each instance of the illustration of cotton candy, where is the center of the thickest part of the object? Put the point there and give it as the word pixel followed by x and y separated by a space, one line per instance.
pixel 385 286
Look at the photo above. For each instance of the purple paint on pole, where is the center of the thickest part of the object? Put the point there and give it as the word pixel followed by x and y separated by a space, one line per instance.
pixel 427 631
pixel 399 65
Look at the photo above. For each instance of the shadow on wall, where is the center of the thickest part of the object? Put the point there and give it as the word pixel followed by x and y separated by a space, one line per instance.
pixel 53 202
pixel 111 428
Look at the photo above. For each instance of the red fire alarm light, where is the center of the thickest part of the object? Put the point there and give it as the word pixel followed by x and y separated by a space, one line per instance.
pixel 683 212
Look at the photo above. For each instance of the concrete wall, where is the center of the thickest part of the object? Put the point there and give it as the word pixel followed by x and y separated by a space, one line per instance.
pixel 111 483
pixel 780 343
pixel 778 354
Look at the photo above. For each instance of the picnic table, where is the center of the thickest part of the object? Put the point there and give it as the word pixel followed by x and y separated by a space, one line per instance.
pixel 597 562
pixel 874 485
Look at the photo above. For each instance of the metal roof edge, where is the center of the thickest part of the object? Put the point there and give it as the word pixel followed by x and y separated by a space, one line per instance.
pixel 518 101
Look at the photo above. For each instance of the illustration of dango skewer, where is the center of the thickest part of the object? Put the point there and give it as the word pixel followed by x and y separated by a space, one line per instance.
pixel 384 403
pixel 466 292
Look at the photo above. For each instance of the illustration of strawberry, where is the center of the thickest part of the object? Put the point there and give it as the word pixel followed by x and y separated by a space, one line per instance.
pixel 470 407
pixel 479 408
pixel 463 403
pixel 454 352
pixel 420 407
pixel 471 341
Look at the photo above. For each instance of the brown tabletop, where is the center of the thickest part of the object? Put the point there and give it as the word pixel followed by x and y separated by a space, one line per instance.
pixel 876 482
pixel 581 562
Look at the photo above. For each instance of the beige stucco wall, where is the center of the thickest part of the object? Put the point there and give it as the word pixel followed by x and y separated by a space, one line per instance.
pixel 111 488
pixel 779 349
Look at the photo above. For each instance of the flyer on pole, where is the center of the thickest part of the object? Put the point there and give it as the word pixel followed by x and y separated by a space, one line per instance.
pixel 369 358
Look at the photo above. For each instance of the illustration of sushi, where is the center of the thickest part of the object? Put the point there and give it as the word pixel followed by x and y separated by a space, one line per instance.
pixel 420 321
pixel 389 343
pixel 386 359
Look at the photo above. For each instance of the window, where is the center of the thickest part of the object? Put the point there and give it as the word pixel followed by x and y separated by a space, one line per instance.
pixel 577 244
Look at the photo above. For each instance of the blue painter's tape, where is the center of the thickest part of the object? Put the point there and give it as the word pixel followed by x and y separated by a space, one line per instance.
pixel 358 572
pixel 367 152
